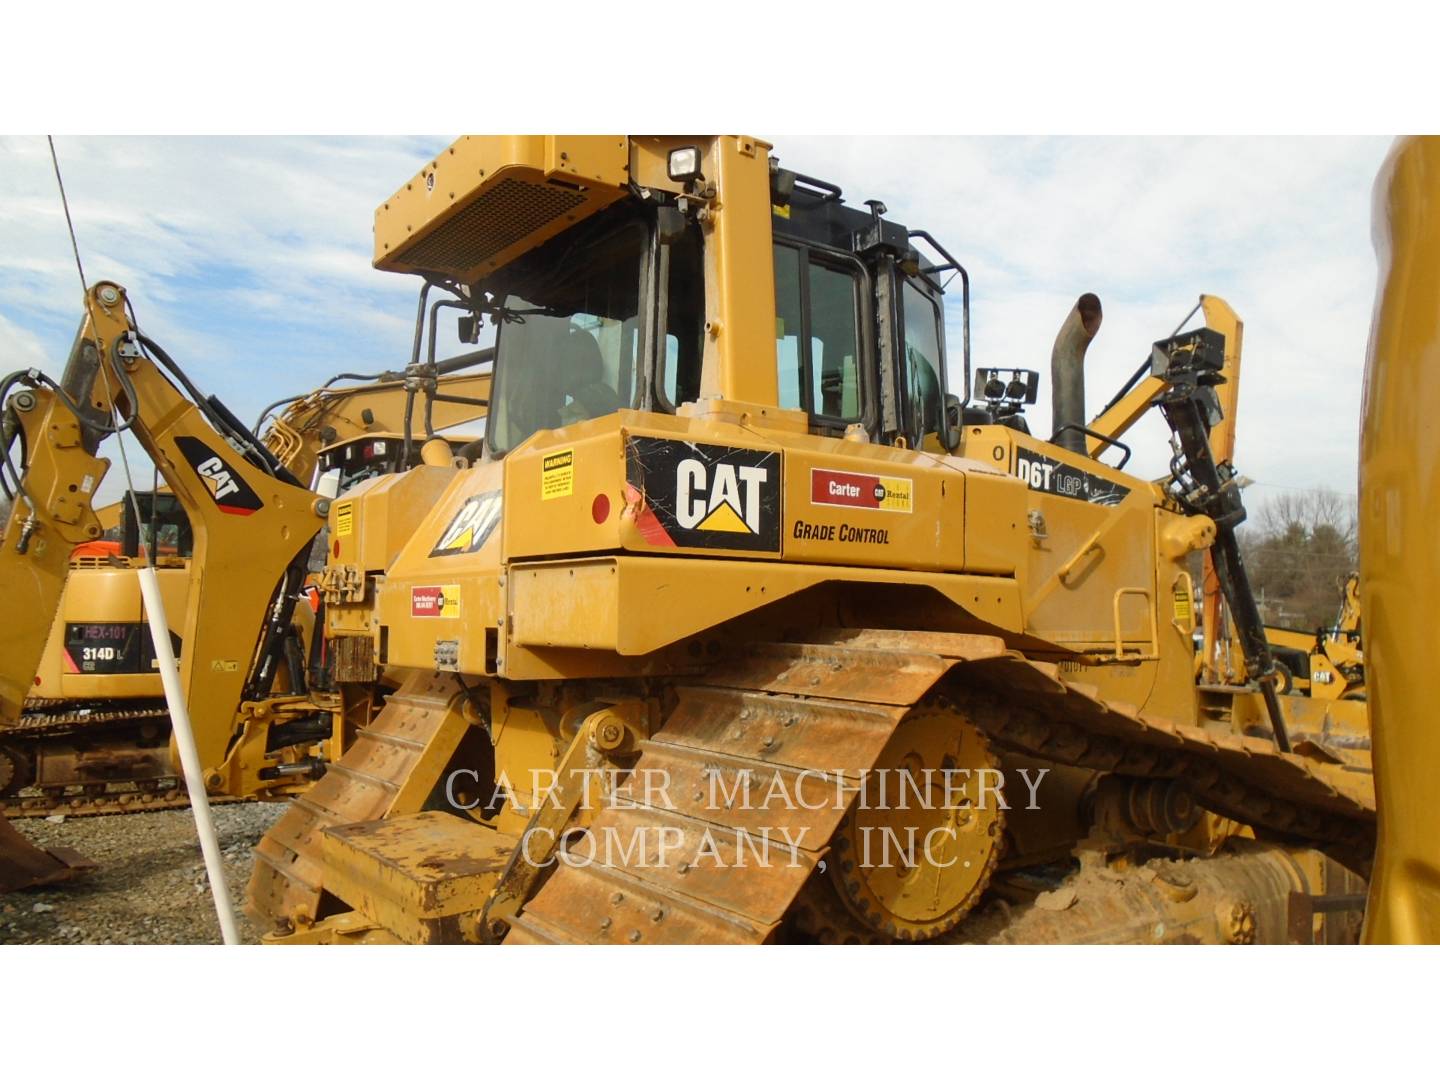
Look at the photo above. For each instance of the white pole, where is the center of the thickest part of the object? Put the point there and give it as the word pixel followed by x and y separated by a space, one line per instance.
pixel 189 755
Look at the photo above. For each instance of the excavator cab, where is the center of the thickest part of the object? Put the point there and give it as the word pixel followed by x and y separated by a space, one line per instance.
pixel 163 529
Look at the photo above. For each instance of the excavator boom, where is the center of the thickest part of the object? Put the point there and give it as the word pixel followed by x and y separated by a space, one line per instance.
pixel 252 521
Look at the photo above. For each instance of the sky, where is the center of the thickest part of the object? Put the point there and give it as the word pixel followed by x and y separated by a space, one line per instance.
pixel 248 259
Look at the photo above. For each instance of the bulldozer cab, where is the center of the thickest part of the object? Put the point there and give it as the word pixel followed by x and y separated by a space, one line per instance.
pixel 860 324
pixel 570 337
pixel 612 316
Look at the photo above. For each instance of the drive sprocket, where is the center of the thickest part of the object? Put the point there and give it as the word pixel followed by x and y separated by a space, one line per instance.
pixel 916 851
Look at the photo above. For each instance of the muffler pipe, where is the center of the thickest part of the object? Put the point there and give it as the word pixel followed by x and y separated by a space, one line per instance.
pixel 1067 373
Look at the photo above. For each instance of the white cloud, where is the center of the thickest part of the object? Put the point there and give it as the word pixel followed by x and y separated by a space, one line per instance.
pixel 19 348
pixel 250 258
pixel 1279 227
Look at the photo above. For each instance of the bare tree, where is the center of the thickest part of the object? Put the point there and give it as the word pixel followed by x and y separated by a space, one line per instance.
pixel 1299 547
pixel 1310 509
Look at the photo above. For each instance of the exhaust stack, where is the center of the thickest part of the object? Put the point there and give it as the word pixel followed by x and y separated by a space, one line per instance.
pixel 1067 372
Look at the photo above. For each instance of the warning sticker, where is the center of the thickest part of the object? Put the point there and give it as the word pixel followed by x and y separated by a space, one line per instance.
pixel 1184 606
pixel 869 492
pixel 557 475
pixel 344 519
pixel 435 601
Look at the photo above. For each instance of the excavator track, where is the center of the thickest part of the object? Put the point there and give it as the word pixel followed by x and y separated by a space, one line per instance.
pixel 39 720
pixel 129 798
pixel 40 725
pixel 830 706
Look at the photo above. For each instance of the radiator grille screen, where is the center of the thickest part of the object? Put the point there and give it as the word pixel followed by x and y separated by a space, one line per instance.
pixel 504 215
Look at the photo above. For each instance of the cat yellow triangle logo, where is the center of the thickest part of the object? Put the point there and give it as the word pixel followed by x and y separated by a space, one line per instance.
pixel 471 527
pixel 724 519
pixel 458 543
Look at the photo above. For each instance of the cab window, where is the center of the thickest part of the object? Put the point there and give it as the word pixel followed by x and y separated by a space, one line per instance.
pixel 163 528
pixel 922 365
pixel 817 339
pixel 567 348
pixel 680 358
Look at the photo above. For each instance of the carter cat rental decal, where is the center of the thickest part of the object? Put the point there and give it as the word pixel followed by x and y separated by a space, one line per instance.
pixel 830 487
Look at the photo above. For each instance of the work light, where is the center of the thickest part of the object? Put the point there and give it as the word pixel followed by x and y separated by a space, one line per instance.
pixel 684 163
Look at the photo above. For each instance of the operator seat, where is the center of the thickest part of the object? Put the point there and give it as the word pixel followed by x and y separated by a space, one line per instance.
pixel 582 373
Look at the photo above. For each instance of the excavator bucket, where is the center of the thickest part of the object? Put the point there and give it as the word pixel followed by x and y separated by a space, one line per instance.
pixel 24 866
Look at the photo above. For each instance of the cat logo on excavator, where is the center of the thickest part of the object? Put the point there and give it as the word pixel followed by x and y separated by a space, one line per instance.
pixel 230 492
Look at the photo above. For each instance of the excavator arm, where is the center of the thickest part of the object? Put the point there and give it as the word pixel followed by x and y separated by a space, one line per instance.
pixel 252 519
pixel 332 415
pixel 50 513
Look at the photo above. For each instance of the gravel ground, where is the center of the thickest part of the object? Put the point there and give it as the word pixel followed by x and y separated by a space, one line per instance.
pixel 149 887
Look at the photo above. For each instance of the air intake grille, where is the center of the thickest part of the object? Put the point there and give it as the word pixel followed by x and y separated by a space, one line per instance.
pixel 504 215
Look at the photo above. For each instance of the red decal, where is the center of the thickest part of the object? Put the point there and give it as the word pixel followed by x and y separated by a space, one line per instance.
pixel 846 489
pixel 646 523
pixel 426 601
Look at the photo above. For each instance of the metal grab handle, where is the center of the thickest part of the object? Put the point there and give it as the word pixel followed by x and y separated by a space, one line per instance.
pixel 1144 594
pixel 1106 439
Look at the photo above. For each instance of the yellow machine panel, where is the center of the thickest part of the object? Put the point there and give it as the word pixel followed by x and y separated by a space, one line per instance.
pixel 88 653
pixel 1398 567
pixel 485 199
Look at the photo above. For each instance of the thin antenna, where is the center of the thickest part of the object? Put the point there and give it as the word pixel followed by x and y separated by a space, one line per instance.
pixel 65 204
pixel 154 603
pixel 149 554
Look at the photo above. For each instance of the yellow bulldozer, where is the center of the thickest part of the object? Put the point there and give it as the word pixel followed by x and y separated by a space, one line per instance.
pixel 743 624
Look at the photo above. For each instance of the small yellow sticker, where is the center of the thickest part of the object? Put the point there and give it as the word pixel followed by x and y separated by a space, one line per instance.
pixel 557 475
pixel 344 519
pixel 1184 605
pixel 899 494
pixel 780 211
